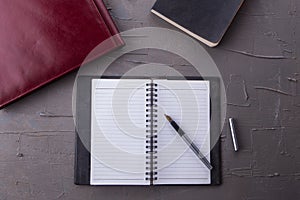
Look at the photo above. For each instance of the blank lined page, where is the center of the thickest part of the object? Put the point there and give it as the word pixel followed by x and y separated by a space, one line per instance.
pixel 187 102
pixel 118 132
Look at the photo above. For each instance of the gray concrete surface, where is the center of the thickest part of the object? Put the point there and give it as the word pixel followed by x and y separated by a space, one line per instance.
pixel 259 62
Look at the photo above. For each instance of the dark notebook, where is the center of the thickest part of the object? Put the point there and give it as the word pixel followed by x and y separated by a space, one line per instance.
pixel 123 138
pixel 205 20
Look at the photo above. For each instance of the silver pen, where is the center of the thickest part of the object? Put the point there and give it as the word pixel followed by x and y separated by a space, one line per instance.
pixel 233 134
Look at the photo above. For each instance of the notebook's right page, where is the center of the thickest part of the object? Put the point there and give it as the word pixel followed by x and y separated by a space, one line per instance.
pixel 188 103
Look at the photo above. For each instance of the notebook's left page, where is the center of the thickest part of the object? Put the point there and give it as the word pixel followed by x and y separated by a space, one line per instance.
pixel 118 132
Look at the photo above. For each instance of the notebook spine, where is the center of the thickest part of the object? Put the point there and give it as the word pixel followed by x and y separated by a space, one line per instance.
pixel 151 136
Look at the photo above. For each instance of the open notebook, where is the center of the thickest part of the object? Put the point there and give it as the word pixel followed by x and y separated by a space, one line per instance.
pixel 131 141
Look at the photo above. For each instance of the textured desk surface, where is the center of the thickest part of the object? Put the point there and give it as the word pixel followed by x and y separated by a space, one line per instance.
pixel 258 59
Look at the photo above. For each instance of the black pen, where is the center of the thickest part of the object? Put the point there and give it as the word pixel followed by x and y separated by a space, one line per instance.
pixel 189 142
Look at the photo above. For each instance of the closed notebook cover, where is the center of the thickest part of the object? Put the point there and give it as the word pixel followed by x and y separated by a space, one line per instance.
pixel 205 20
pixel 41 40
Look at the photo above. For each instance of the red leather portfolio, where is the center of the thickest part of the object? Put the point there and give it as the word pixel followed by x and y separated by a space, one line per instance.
pixel 41 40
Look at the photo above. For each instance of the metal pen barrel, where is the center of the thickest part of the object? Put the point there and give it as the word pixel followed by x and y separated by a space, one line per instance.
pixel 233 134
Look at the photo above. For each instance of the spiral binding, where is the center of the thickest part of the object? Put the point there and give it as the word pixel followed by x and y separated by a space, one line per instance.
pixel 151 136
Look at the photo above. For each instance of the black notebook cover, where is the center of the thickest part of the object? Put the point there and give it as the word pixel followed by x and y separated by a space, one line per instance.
pixel 83 129
pixel 205 20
